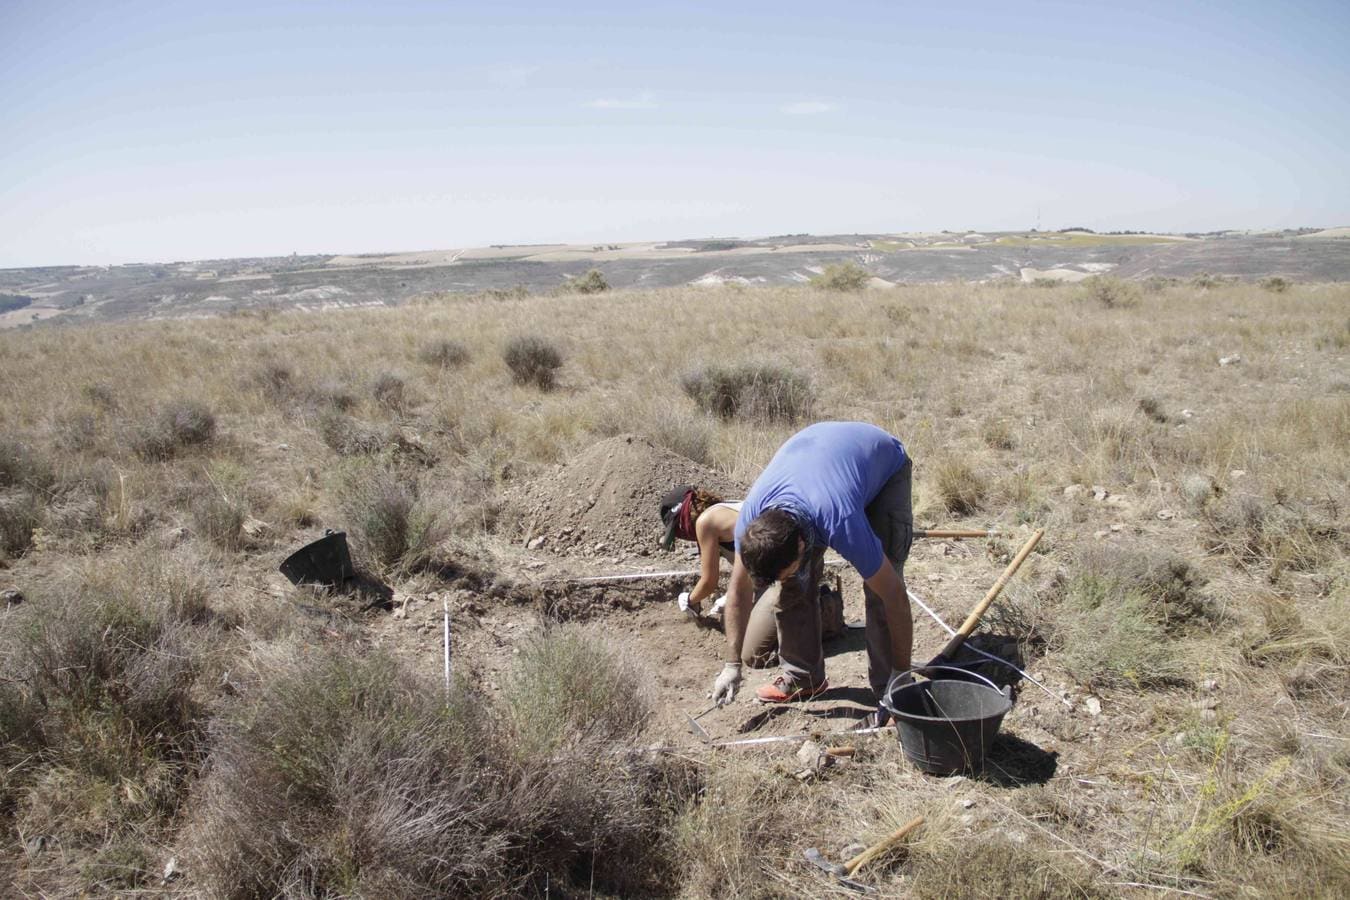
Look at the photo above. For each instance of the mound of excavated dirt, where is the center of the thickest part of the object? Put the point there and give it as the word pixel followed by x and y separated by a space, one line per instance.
pixel 604 500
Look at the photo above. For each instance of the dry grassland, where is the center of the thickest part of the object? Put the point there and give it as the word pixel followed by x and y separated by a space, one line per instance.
pixel 157 702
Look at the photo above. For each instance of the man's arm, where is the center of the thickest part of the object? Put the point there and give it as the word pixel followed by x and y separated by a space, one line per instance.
pixel 889 585
pixel 740 601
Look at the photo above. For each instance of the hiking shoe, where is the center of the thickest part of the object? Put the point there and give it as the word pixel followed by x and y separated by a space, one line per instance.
pixel 781 690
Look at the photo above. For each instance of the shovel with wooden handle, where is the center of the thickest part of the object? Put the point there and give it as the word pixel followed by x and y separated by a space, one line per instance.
pixel 949 652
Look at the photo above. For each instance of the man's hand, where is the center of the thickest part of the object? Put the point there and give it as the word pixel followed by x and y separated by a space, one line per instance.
pixel 727 683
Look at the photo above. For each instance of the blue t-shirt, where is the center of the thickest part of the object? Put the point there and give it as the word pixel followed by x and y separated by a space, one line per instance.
pixel 825 475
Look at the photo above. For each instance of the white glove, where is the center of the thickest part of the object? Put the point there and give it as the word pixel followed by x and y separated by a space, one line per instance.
pixel 717 605
pixel 724 688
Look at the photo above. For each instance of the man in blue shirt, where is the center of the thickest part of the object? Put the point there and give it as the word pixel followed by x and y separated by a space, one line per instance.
pixel 841 485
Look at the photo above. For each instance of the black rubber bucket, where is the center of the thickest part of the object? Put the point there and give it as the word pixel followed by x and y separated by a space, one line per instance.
pixel 325 561
pixel 947 725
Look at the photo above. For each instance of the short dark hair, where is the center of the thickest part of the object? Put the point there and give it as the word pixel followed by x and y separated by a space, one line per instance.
pixel 770 544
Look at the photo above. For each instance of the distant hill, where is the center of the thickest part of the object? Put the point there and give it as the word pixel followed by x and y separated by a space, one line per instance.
pixel 313 283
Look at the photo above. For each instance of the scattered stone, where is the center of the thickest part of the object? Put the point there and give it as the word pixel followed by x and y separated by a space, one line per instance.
pixel 934 577
pixel 537 543
pixel 1117 526
pixel 1166 514
pixel 968 819
pixel 1179 738
pixel 1099 492
pixel 1230 360
pixel 170 870
pixel 1209 685
pixel 254 527
pixel 283 447
pixel 812 756
pixel 1101 534
pixel 1237 473
pixel 1187 414
pixel 601 547
pixel 1093 706
pixel 11 597
pixel 967 803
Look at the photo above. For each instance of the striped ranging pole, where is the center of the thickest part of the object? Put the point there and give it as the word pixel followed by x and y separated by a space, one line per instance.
pixel 445 606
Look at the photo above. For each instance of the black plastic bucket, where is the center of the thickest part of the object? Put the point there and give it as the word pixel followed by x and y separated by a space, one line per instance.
pixel 325 561
pixel 947 725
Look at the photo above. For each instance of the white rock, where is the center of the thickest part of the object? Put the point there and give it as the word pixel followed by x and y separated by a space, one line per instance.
pixel 1230 360
pixel 1187 414
pixel 1093 706
pixel 967 803
pixel 1208 685
pixel 1117 526
pixel 537 543
pixel 1166 514
pixel 1099 492
pixel 1237 473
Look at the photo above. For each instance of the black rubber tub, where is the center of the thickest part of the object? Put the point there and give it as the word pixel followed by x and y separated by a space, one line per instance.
pixel 948 724
pixel 325 561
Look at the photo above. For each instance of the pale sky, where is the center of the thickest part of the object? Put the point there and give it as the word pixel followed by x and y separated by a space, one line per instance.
pixel 159 131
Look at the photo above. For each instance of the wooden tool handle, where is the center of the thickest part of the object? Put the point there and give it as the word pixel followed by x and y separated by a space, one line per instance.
pixel 978 612
pixel 952 533
pixel 881 846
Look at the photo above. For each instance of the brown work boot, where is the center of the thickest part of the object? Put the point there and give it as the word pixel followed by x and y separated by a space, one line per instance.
pixel 783 690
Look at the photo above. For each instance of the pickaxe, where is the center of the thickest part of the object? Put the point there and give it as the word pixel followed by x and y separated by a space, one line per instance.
pixel 844 871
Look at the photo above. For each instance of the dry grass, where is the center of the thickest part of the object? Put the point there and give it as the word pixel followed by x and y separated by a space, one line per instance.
pixel 1218 553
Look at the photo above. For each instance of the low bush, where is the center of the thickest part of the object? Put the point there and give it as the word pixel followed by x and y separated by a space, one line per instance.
pixel 101 725
pixel 177 425
pixel 846 277
pixel 960 488
pixel 1275 284
pixel 1263 532
pixel 390 392
pixel 274 380
pixel 761 392
pixel 1117 614
pixel 390 522
pixel 568 685
pixel 1109 292
pixel 22 467
pixel 219 520
pixel 997 434
pixel 993 866
pixel 21 513
pixel 533 361
pixel 593 282
pixel 350 776
pixel 446 354
pixel 348 436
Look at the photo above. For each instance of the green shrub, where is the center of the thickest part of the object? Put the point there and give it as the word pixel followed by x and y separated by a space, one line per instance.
pixel 533 361
pixel 567 685
pixel 843 277
pixel 761 392
pixel 1109 292
pixel 1275 284
pixel 21 467
pixel 101 726
pixel 593 282
pixel 389 520
pixel 351 776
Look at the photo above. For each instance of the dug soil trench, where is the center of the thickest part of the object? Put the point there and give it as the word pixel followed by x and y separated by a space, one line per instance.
pixel 596 516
